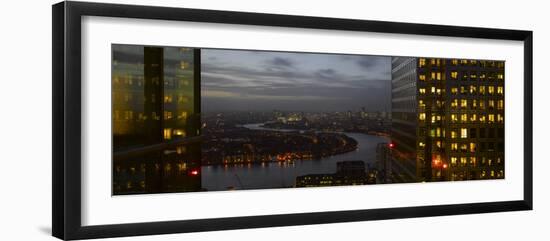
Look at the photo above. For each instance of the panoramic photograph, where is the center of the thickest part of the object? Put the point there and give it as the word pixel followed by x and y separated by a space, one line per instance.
pixel 197 119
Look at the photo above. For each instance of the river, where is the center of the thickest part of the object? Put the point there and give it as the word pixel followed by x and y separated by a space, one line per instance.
pixel 282 174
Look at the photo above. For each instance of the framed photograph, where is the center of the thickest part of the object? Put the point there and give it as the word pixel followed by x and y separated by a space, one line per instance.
pixel 169 120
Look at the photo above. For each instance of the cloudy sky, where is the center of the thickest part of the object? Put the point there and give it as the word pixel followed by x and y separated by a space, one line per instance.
pixel 260 80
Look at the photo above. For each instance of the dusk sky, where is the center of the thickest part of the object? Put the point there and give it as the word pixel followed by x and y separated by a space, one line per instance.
pixel 240 80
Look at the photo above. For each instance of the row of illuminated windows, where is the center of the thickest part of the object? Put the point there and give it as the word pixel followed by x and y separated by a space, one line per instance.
pixel 475 104
pixel 169 133
pixel 464 118
pixel 455 75
pixel 168 98
pixel 129 115
pixel 432 90
pixel 473 118
pixel 139 80
pixel 472 89
pixel 471 147
pixel 473 161
pixel 142 168
pixel 464 132
pixel 474 75
pixel 484 174
pixel 423 62
pixel 482 90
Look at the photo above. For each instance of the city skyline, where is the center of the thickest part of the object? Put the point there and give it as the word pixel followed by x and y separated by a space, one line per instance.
pixel 241 80
pixel 189 119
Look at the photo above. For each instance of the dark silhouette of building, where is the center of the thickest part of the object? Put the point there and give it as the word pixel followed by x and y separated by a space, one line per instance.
pixel 384 161
pixel 347 173
pixel 447 119
pixel 155 122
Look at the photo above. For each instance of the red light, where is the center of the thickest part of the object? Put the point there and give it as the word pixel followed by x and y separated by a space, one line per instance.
pixel 391 145
pixel 194 172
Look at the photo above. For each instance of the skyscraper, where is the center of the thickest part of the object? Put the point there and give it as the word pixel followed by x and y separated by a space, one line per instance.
pixel 447 119
pixel 156 101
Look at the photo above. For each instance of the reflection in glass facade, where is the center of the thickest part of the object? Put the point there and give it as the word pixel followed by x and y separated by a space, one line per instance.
pixel 155 121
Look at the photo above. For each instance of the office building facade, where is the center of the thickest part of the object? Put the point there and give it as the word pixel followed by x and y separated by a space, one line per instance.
pixel 155 106
pixel 447 119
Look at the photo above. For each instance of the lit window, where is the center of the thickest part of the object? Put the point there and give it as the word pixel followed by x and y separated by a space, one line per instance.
pixel 453 134
pixel 183 115
pixel 473 118
pixel 454 103
pixel 472 89
pixel 438 75
pixel 482 90
pixel 463 161
pixel 474 104
pixel 491 90
pixel 454 90
pixel 454 118
pixel 422 91
pixel 422 77
pixel 454 75
pixel 500 90
pixel 421 144
pixel 464 117
pixel 454 62
pixel 421 104
pixel 453 161
pixel 179 132
pixel 464 147
pixel 433 75
pixel 167 115
pixel 500 76
pixel 454 146
pixel 422 116
pixel 433 89
pixel 472 147
pixel 500 104
pixel 482 104
pixel 473 161
pixel 422 62
pixel 500 118
pixel 168 99
pixel 463 103
pixel 491 104
pixel 491 118
pixel 482 118
pixel 463 133
pixel 167 133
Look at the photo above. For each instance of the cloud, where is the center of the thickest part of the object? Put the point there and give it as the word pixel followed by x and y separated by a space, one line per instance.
pixel 294 81
pixel 281 62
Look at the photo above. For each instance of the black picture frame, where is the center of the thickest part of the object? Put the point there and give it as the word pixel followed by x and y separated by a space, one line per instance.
pixel 66 129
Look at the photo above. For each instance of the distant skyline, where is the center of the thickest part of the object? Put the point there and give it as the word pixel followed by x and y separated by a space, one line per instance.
pixel 242 80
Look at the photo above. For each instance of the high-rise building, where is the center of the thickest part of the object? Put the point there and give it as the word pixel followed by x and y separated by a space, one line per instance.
pixel 155 106
pixel 384 160
pixel 447 119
